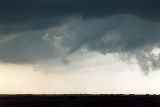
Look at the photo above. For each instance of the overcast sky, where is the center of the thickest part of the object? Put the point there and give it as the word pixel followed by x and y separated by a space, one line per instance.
pixel 79 46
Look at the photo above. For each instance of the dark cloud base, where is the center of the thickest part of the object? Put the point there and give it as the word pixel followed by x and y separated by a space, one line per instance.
pixel 106 26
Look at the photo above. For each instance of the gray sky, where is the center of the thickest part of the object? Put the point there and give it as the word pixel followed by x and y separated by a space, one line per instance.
pixel 54 42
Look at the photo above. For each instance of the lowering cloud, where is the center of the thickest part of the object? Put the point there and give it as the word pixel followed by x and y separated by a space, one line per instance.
pixel 36 30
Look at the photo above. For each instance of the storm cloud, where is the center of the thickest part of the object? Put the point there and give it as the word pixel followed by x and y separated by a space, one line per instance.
pixel 33 30
pixel 18 15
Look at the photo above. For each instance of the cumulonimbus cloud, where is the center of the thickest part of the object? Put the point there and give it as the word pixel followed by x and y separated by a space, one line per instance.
pixel 38 30
pixel 17 15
